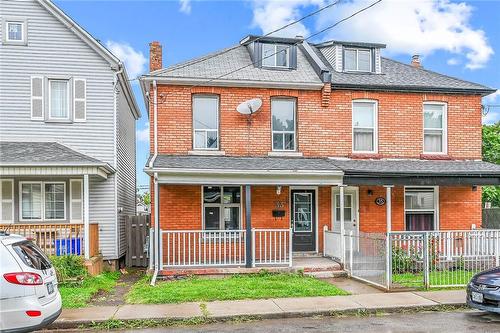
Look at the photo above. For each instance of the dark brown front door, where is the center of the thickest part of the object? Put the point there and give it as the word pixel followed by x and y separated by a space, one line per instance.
pixel 303 220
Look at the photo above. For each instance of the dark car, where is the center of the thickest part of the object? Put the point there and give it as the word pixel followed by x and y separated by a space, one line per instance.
pixel 483 291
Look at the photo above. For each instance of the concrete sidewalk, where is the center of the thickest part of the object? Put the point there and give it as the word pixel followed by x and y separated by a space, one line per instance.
pixel 265 308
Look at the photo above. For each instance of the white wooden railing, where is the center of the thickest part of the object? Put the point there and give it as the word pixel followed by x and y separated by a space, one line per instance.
pixel 332 244
pixel 272 247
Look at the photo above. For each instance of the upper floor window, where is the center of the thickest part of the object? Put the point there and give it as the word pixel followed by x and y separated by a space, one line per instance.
pixel 364 126
pixel 14 31
pixel 358 60
pixel 275 55
pixel 205 122
pixel 434 128
pixel 59 99
pixel 283 123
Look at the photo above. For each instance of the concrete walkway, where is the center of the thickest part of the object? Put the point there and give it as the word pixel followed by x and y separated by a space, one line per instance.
pixel 266 308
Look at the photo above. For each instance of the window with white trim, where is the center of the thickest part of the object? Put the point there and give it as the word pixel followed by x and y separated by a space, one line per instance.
pixel 14 31
pixel 59 99
pixel 283 124
pixel 275 55
pixel 6 200
pixel 357 60
pixel 420 208
pixel 42 200
pixel 76 200
pixel 205 122
pixel 221 207
pixel 364 126
pixel 434 128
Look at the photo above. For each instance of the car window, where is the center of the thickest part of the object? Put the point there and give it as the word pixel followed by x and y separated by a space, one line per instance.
pixel 31 255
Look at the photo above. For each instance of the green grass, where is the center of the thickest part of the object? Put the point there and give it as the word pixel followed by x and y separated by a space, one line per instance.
pixel 235 287
pixel 79 295
pixel 436 278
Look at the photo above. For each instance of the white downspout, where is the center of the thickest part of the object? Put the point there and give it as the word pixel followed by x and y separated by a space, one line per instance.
pixel 156 194
pixel 115 154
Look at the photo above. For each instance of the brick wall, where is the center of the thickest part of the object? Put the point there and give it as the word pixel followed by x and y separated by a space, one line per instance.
pixel 322 131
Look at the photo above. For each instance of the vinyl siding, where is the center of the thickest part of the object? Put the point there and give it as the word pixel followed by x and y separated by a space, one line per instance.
pixel 53 49
pixel 126 179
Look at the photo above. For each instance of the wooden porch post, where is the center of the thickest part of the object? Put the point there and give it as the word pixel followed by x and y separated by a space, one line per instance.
pixel 86 217
pixel 388 207
pixel 342 224
pixel 248 225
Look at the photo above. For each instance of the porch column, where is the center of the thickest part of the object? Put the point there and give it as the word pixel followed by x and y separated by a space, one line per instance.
pixel 388 207
pixel 342 222
pixel 86 217
pixel 248 225
pixel 157 233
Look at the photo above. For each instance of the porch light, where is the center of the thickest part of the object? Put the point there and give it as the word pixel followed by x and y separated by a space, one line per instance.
pixel 278 190
pixel 474 188
pixel 370 192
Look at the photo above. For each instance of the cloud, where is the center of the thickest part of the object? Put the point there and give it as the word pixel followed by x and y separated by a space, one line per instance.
pixel 185 6
pixel 143 134
pixel 407 27
pixel 453 61
pixel 134 61
pixel 493 98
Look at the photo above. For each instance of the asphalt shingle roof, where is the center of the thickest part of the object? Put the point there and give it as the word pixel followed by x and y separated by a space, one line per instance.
pixel 417 167
pixel 244 163
pixel 228 60
pixel 42 153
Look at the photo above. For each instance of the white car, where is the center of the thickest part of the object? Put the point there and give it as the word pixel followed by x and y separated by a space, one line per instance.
pixel 29 297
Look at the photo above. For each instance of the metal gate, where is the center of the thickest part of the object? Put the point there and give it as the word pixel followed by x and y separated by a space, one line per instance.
pixel 137 228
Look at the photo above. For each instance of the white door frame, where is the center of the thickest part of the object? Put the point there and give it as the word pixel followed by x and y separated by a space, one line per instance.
pixel 316 207
pixel 353 190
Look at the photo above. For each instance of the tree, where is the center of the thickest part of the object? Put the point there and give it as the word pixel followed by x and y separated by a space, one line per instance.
pixel 146 198
pixel 491 153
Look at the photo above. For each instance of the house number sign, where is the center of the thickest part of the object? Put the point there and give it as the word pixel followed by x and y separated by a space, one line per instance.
pixel 380 201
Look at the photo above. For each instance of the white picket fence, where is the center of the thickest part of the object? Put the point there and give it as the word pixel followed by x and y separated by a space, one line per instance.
pixel 222 248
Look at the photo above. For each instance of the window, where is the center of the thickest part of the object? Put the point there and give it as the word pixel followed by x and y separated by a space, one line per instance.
pixel 275 55
pixel 359 60
pixel 42 200
pixel 221 207
pixel 59 99
pixel 31 255
pixel 347 207
pixel 206 122
pixel 283 123
pixel 364 126
pixel 434 128
pixel 15 31
pixel 420 209
pixel 6 200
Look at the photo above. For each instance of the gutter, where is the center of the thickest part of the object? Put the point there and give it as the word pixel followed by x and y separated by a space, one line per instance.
pixel 416 89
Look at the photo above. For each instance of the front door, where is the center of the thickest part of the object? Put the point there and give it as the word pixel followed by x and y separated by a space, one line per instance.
pixel 303 220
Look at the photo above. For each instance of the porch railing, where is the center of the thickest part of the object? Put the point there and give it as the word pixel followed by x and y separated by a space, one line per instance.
pixel 202 248
pixel 58 238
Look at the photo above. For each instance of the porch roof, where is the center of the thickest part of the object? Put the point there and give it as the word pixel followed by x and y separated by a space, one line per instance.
pixel 418 172
pixel 47 158
pixel 194 169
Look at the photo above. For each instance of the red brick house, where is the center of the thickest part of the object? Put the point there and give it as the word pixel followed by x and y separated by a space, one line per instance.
pixel 345 139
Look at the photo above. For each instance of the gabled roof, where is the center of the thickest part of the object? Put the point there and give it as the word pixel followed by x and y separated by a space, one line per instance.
pixel 100 49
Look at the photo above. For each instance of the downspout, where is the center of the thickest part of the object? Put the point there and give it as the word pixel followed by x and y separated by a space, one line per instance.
pixel 155 180
pixel 115 128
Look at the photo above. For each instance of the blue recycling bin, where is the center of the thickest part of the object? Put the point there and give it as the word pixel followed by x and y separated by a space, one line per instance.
pixel 67 246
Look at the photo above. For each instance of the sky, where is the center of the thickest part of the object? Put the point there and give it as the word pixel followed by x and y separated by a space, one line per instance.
pixel 456 38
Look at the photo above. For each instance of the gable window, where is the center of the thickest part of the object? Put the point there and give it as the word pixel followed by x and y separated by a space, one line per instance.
pixel 364 126
pixel 434 128
pixel 206 122
pixel 221 207
pixel 59 99
pixel 14 31
pixel 42 200
pixel 283 123
pixel 358 60
pixel 275 55
pixel 420 209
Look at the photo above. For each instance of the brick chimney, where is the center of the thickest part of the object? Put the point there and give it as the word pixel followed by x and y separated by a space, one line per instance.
pixel 155 56
pixel 415 61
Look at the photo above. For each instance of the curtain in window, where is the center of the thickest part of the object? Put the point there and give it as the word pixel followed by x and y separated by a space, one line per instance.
pixel 363 140
pixel 433 141
pixel 59 99
pixel 433 128
pixel 54 201
pixel 419 222
pixel 31 201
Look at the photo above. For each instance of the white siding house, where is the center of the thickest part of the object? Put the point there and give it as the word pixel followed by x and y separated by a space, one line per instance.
pixel 59 85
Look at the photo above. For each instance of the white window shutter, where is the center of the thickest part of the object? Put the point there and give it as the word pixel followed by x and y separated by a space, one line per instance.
pixel 37 104
pixel 76 200
pixel 6 200
pixel 79 100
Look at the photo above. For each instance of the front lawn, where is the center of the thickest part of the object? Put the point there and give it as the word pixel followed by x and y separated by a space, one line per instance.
pixel 78 295
pixel 436 278
pixel 235 287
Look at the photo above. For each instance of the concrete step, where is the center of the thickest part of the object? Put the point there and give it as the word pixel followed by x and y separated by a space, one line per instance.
pixel 326 274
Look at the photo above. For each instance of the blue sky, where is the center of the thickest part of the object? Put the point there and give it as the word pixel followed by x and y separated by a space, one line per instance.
pixel 460 39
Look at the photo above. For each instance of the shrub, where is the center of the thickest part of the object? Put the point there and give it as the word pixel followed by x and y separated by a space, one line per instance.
pixel 70 268
pixel 404 261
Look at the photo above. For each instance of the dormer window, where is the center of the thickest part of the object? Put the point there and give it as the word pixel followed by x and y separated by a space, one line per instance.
pixel 275 55
pixel 357 60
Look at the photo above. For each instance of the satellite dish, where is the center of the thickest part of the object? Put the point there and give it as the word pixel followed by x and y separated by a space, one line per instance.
pixel 249 107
